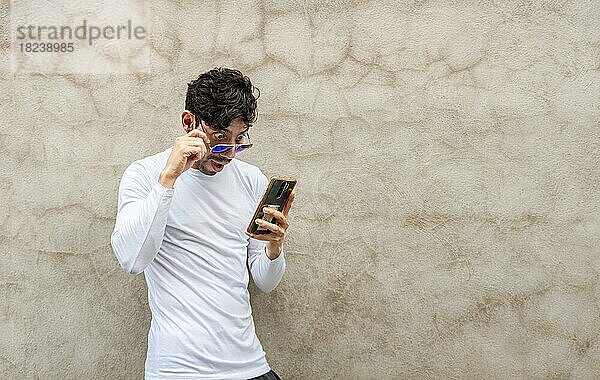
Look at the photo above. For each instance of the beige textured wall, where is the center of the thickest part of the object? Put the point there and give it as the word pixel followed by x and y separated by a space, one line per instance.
pixel 447 219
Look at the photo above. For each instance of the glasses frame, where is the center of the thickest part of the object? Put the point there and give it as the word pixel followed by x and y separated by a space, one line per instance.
pixel 246 146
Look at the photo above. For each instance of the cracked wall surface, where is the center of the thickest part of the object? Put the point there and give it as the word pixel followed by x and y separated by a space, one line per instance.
pixel 447 219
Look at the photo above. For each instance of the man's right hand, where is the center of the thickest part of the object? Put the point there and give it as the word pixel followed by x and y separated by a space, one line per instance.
pixel 188 149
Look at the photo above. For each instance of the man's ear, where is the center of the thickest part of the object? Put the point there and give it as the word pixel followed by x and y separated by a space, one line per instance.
pixel 188 121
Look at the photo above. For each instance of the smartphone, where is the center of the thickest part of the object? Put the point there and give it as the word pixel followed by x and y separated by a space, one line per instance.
pixel 276 196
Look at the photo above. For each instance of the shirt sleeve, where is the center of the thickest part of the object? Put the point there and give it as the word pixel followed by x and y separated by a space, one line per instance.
pixel 266 273
pixel 142 211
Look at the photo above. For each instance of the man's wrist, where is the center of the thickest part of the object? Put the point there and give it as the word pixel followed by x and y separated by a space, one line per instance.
pixel 273 251
pixel 167 180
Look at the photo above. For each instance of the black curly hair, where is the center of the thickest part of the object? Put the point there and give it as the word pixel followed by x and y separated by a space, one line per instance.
pixel 221 95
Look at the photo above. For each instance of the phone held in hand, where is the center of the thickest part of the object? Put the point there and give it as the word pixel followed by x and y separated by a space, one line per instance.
pixel 276 196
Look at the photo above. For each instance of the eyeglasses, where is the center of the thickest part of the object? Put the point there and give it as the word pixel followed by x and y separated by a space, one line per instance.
pixel 222 148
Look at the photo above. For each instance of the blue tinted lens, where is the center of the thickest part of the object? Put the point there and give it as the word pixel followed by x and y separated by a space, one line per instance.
pixel 220 148
pixel 243 147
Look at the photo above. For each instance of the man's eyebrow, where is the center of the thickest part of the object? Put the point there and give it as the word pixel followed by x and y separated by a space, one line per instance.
pixel 229 132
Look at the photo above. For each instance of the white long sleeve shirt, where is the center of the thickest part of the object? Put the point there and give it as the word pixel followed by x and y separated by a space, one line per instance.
pixel 190 243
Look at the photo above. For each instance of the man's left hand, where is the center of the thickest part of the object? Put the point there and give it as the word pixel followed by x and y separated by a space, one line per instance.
pixel 274 239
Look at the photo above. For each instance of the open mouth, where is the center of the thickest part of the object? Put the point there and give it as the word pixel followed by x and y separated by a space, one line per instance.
pixel 217 165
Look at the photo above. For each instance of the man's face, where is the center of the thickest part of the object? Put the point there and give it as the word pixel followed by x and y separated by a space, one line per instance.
pixel 212 163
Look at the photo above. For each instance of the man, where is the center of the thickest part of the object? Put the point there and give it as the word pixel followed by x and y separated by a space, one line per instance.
pixel 182 218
